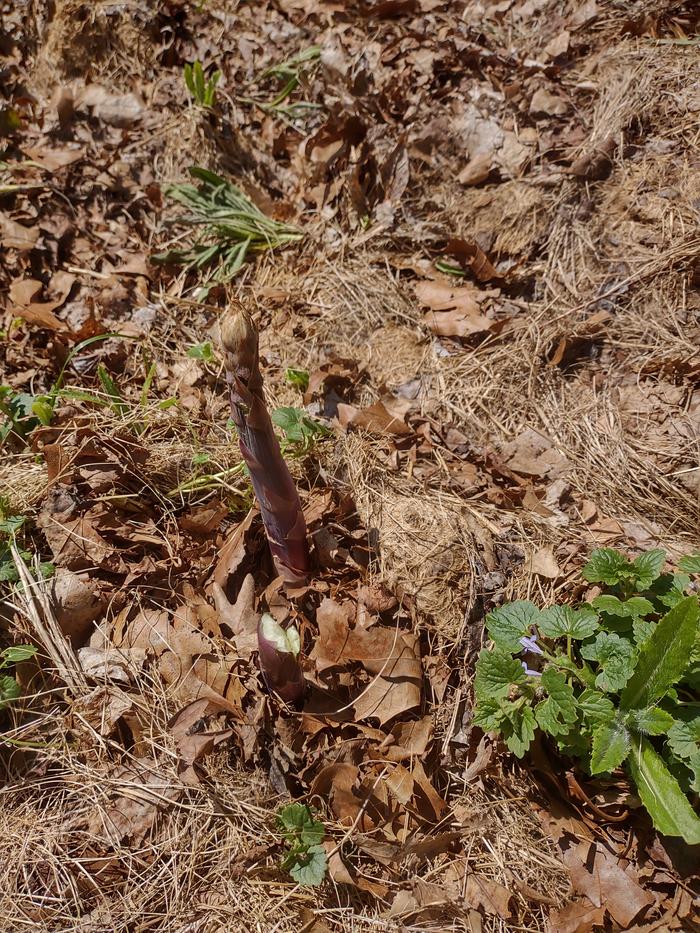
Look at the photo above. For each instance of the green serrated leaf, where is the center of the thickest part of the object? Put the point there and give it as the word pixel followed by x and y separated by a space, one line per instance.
pixel 607 565
pixel 563 621
pixel 648 566
pixel 634 607
pixel 664 656
pixel 299 378
pixel 595 706
pixel 518 729
pixel 690 564
pixel 684 736
pixel 489 713
pixel 616 656
pixel 496 672
pixel 556 713
pixel 310 867
pixel 669 589
pixel 202 351
pixel 667 805
pixel 611 745
pixel 508 624
pixel 642 630
pixel 294 816
pixel 651 721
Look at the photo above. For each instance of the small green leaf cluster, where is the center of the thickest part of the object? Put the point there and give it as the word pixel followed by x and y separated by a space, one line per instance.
pixel 202 351
pixel 9 688
pixel 202 89
pixel 23 412
pixel 10 526
pixel 299 378
pixel 300 430
pixel 612 681
pixel 305 859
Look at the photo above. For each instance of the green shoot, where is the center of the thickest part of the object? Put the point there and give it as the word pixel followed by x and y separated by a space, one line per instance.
pixel 299 378
pixel 202 89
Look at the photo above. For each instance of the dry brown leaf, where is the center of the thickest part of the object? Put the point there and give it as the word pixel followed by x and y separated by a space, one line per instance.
pixel 400 784
pixel 598 875
pixel 24 291
pixel 388 653
pixel 476 170
pixel 114 665
pixel 577 917
pixel 441 296
pixel 532 453
pixel 549 105
pixel 102 708
pixel 469 253
pixel 120 110
pixel 484 893
pixel 76 604
pixel 14 235
pixel 411 739
pixel 193 737
pixel 131 812
pixel 559 45
pixel 241 617
pixel 544 563
pixel 376 419
pixel 74 542
pixel 335 783
pixel 233 552
pixel 427 801
pixel 54 159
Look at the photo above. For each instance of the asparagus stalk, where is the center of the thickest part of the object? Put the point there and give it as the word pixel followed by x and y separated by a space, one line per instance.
pixel 274 487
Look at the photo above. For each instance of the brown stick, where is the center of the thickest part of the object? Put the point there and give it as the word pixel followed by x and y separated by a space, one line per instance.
pixel 274 487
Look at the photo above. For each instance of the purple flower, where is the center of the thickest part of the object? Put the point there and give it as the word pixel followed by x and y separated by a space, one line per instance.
pixel 529 671
pixel 529 643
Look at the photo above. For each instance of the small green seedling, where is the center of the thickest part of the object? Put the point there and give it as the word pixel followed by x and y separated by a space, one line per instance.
pixel 202 351
pixel 202 89
pixel 305 859
pixel 300 430
pixel 299 378
pixel 9 688
pixel 290 73
pixel 10 526
pixel 613 681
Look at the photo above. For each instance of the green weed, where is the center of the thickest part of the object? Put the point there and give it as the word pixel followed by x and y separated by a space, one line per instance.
pixel 202 89
pixel 305 859
pixel 233 227
pixel 613 681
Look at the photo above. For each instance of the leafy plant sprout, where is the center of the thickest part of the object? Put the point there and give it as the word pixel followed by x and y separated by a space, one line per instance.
pixel 232 226
pixel 306 858
pixel 614 681
pixel 290 73
pixel 202 89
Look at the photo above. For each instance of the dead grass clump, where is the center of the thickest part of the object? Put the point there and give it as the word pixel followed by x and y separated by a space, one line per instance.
pixel 87 40
pixel 427 548
pixel 507 220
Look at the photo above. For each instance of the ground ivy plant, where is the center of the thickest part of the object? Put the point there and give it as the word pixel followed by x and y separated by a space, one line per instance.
pixel 613 681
